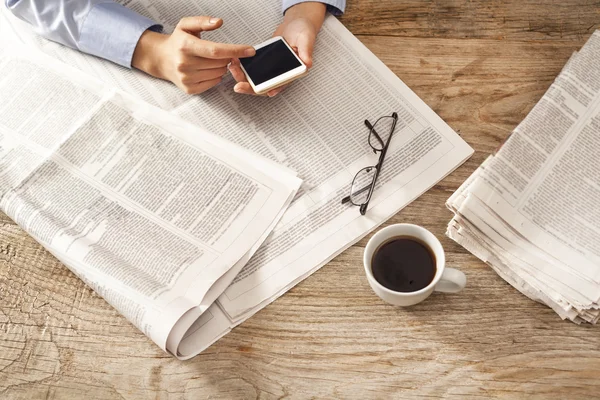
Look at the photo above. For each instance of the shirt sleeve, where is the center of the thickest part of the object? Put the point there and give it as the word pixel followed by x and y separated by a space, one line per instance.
pixel 99 27
pixel 336 7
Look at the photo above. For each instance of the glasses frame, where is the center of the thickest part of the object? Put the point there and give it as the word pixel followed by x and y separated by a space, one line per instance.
pixel 382 152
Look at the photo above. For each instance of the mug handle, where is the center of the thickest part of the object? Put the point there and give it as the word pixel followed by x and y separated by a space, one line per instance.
pixel 452 281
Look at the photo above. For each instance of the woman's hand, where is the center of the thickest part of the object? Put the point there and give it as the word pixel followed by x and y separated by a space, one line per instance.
pixel 193 64
pixel 299 28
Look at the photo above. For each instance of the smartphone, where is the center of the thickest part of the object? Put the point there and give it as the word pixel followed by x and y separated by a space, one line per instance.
pixel 275 64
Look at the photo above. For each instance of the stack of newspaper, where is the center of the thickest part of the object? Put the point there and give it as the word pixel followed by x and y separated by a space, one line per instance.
pixel 160 200
pixel 532 210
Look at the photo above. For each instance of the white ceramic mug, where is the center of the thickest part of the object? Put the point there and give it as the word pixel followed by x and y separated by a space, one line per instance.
pixel 447 280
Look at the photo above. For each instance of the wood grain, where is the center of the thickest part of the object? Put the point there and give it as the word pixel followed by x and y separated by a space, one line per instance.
pixel 481 65
pixel 460 19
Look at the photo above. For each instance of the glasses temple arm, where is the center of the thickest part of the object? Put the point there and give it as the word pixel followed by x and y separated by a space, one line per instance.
pixel 372 129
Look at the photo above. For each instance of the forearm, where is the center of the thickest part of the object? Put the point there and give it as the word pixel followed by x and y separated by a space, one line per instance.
pixel 99 27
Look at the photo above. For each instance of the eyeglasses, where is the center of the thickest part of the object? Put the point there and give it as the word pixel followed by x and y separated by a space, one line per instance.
pixel 380 136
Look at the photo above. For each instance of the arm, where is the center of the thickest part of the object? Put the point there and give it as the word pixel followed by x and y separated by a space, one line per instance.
pixel 98 27
pixel 106 29
pixel 301 23
pixel 336 7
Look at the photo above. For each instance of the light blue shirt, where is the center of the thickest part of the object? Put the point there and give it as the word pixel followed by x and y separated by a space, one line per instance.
pixel 102 27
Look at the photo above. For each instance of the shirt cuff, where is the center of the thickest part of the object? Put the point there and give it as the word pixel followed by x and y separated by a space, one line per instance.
pixel 112 31
pixel 335 7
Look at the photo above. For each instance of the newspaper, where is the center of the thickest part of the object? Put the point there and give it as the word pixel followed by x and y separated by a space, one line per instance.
pixel 315 127
pixel 532 210
pixel 150 211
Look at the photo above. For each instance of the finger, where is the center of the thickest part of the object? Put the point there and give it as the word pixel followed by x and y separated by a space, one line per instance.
pixel 236 71
pixel 202 86
pixel 243 88
pixel 194 64
pixel 207 63
pixel 204 75
pixel 276 91
pixel 199 24
pixel 212 50
pixel 306 45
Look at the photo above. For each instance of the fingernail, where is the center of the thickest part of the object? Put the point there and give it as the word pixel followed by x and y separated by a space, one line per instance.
pixel 213 20
pixel 249 52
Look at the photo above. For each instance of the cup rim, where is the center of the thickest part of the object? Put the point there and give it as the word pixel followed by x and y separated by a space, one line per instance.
pixel 440 259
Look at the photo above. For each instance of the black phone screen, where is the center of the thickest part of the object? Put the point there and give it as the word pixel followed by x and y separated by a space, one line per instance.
pixel 269 62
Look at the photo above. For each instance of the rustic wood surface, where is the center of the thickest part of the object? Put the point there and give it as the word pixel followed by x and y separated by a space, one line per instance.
pixel 481 65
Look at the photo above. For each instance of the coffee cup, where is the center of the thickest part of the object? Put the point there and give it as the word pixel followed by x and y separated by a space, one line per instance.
pixel 448 280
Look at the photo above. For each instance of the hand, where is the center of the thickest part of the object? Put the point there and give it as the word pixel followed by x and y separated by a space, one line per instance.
pixel 299 28
pixel 193 64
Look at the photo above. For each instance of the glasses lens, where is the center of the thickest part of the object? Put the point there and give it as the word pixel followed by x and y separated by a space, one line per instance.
pixel 379 135
pixel 361 185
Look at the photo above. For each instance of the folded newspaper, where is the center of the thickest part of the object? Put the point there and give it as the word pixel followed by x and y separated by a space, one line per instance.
pixel 532 210
pixel 152 212
pixel 315 127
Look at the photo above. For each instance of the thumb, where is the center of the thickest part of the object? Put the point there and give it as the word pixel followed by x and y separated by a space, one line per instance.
pixel 199 24
pixel 306 45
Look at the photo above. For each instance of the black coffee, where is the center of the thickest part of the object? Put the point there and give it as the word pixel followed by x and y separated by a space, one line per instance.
pixel 403 264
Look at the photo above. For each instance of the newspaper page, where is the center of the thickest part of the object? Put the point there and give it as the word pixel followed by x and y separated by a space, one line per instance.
pixel 315 127
pixel 150 211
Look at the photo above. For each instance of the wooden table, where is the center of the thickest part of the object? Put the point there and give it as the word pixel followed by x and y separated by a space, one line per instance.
pixel 481 65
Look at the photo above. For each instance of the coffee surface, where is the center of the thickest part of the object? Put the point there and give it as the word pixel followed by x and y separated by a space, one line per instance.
pixel 403 264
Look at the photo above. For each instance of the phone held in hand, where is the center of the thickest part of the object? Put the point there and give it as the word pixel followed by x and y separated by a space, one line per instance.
pixel 275 64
